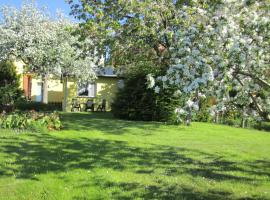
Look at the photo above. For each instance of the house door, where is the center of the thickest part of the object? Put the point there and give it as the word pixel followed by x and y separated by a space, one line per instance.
pixel 27 86
pixel 39 92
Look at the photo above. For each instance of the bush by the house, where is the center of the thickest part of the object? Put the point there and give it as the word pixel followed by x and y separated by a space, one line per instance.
pixel 38 106
pixel 9 86
pixel 34 121
pixel 136 102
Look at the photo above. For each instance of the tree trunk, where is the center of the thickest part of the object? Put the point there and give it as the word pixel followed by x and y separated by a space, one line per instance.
pixel 45 89
pixel 188 119
pixel 216 117
pixel 243 122
pixel 65 90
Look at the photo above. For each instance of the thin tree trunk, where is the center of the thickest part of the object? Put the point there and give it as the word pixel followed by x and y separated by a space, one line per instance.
pixel 188 119
pixel 45 89
pixel 65 89
pixel 216 117
pixel 243 122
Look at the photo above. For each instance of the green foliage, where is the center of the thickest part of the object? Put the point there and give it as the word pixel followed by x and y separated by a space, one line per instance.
pixel 37 126
pixel 141 26
pixel 37 106
pixel 136 102
pixel 234 117
pixel 203 115
pixel 183 32
pixel 38 122
pixel 262 126
pixel 166 105
pixel 9 85
pixel 232 122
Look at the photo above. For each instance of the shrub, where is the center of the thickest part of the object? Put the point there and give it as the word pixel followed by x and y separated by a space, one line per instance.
pixel 37 106
pixel 232 122
pixel 203 114
pixel 9 86
pixel 37 127
pixel 262 126
pixel 136 102
pixel 34 121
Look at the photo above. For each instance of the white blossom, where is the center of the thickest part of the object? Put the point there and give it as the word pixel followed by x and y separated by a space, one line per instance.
pixel 150 81
pixel 189 103
pixel 157 89
pixel 180 111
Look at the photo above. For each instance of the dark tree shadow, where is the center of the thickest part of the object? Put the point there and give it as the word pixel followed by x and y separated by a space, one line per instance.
pixel 43 153
pixel 164 191
pixel 103 122
pixel 46 153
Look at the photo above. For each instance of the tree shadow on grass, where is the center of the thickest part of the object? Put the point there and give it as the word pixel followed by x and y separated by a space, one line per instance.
pixel 104 122
pixel 42 153
pixel 162 191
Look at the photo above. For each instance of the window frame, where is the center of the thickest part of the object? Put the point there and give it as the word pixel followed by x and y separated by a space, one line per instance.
pixel 88 96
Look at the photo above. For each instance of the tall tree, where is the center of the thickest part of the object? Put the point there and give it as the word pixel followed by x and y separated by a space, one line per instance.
pixel 134 31
pixel 28 34
pixel 73 59
pixel 199 44
pixel 45 44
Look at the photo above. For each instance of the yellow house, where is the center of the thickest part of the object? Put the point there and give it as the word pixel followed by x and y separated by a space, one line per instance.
pixel 103 88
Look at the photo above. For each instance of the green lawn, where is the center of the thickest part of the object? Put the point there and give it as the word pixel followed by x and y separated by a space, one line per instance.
pixel 98 157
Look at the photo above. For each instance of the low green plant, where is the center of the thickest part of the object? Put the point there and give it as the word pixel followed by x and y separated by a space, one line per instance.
pixel 51 121
pixel 37 106
pixel 37 126
pixel 38 122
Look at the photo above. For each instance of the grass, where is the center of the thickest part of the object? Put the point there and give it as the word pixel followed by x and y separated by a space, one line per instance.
pixel 98 157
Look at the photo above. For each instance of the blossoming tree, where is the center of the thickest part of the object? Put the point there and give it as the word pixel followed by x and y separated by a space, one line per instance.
pixel 46 45
pixel 217 51
pixel 73 59
pixel 132 32
pixel 205 47
pixel 28 34
pixel 243 47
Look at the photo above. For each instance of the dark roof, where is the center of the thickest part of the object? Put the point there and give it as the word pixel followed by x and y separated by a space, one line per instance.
pixel 107 72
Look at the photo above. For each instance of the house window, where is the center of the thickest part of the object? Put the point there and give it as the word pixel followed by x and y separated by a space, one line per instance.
pixel 39 92
pixel 87 90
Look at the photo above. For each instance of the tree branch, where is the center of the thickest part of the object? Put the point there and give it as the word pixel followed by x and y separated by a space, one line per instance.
pixel 258 107
pixel 254 77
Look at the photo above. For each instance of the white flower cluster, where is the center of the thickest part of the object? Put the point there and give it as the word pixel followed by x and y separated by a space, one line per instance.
pixel 150 81
pixel 215 52
pixel 191 55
